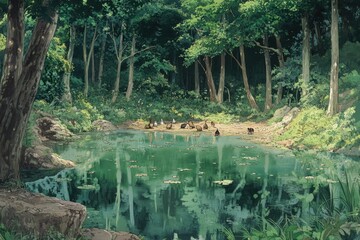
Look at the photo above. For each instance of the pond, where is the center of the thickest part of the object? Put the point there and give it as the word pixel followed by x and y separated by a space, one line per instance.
pixel 163 186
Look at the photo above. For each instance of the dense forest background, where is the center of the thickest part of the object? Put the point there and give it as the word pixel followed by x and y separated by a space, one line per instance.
pixel 231 60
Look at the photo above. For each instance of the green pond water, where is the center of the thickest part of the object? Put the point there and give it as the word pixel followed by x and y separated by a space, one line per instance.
pixel 161 185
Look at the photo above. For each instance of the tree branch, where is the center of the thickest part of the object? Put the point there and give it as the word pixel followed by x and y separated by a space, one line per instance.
pixel 268 48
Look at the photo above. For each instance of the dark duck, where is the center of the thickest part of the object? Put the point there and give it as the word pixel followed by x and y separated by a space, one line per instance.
pixel 217 132
pixel 191 124
pixel 205 125
pixel 251 131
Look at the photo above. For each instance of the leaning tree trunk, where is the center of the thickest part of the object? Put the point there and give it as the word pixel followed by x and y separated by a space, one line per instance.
pixel 87 58
pixel 131 68
pixel 210 79
pixel 281 60
pixel 305 54
pixel 242 65
pixel 220 94
pixel 93 71
pixel 18 88
pixel 119 56
pixel 333 107
pixel 197 79
pixel 268 87
pixel 67 75
pixel 101 60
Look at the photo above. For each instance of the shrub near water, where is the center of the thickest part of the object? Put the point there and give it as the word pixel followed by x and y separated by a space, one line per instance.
pixel 313 128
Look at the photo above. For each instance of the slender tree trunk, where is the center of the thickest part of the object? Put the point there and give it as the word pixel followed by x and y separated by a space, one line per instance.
pixel 242 65
pixel 210 79
pixel 268 88
pixel 119 56
pixel 18 88
pixel 333 107
pixel 220 94
pixel 318 35
pixel 197 79
pixel 67 75
pixel 87 58
pixel 131 68
pixel 281 65
pixel 101 60
pixel 93 68
pixel 305 54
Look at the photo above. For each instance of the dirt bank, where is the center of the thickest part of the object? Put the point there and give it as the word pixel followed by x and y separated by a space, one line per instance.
pixel 264 133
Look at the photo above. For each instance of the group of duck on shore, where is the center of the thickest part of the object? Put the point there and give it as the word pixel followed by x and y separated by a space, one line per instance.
pixel 187 125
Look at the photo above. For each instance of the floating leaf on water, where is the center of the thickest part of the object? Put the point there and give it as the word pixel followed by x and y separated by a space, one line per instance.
pixel 201 173
pixel 309 177
pixel 134 166
pixel 175 176
pixel 250 158
pixel 88 187
pixel 132 161
pixel 141 175
pixel 171 182
pixel 183 169
pixel 224 182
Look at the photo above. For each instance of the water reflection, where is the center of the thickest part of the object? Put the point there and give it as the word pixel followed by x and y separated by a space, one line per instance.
pixel 159 185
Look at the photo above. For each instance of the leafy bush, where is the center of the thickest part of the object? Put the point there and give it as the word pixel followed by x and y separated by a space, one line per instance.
pixel 313 128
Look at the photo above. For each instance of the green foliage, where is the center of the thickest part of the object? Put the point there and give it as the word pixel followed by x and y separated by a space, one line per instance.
pixel 312 128
pixel 51 85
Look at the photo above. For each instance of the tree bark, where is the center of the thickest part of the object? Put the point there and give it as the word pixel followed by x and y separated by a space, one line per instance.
pixel 67 75
pixel 210 79
pixel 242 65
pixel 305 54
pixel 93 72
pixel 220 94
pixel 333 107
pixel 197 79
pixel 87 58
pixel 268 87
pixel 16 99
pixel 119 56
pixel 281 60
pixel 131 68
pixel 101 60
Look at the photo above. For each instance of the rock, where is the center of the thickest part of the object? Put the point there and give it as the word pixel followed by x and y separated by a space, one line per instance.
pixel 42 157
pixel 52 129
pixel 281 112
pixel 290 116
pixel 36 214
pixel 103 125
pixel 101 234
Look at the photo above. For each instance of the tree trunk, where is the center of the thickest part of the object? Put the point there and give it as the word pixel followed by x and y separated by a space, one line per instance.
pixel 119 56
pixel 210 79
pixel 67 75
pixel 101 60
pixel 333 107
pixel 220 94
pixel 93 76
pixel 87 58
pixel 16 99
pixel 131 68
pixel 281 59
pixel 305 54
pixel 197 79
pixel 268 95
pixel 242 66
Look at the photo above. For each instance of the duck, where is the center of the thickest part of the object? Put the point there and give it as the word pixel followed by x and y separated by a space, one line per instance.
pixel 212 123
pixel 191 124
pixel 173 121
pixel 250 131
pixel 183 125
pixel 205 125
pixel 150 125
pixel 169 126
pixel 198 128
pixel 155 124
pixel 217 132
pixel 161 121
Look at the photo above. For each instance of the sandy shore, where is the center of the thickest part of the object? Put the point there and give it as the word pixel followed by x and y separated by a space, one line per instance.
pixel 263 132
